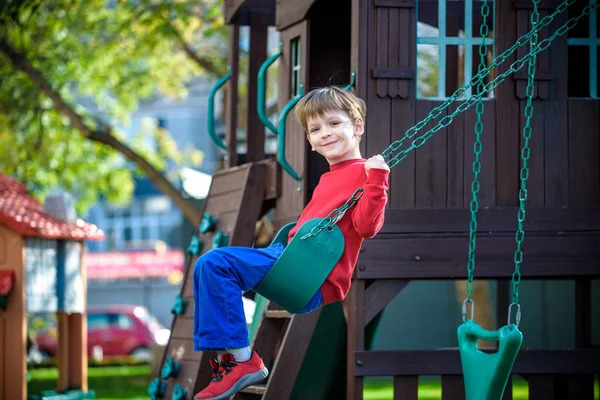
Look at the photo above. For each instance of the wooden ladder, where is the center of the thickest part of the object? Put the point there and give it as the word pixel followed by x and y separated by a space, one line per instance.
pixel 238 197
pixel 303 354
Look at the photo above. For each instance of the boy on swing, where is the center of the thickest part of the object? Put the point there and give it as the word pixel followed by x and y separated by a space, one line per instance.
pixel 334 121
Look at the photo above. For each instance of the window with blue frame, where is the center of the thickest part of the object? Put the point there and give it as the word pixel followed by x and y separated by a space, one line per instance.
pixel 448 45
pixel 584 55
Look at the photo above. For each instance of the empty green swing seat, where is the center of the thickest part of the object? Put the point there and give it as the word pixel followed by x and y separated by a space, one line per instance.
pixel 303 266
pixel 486 375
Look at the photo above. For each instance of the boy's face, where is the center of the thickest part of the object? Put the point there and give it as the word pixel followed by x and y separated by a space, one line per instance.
pixel 335 136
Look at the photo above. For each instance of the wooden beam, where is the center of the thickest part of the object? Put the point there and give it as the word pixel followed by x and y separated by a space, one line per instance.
pixel 255 142
pixel 447 362
pixel 491 220
pixel 232 96
pixel 379 294
pixel 293 349
pixel 400 257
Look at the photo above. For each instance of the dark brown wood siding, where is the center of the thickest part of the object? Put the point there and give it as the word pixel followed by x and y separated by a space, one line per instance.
pixel 292 201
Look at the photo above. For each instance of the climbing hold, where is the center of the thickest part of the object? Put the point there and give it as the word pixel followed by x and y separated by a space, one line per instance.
pixel 169 369
pixel 195 247
pixel 220 240
pixel 208 223
pixel 156 389
pixel 179 393
pixel 180 306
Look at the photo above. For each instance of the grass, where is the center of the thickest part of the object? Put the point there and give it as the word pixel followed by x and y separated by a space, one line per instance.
pixel 109 383
pixel 131 382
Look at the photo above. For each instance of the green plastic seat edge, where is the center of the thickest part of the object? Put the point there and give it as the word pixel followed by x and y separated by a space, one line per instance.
pixel 302 267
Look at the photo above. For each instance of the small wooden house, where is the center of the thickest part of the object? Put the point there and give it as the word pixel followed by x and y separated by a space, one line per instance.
pixel 41 270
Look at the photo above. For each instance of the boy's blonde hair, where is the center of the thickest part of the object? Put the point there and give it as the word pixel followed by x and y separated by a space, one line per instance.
pixel 318 102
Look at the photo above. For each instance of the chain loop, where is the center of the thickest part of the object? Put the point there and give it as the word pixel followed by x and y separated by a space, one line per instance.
pixel 525 154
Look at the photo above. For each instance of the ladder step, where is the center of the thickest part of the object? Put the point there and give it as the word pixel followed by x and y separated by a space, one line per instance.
pixel 255 389
pixel 277 314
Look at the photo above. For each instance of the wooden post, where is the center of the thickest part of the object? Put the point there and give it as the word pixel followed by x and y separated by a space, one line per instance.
pixel 13 321
pixel 255 141
pixel 77 322
pixel 354 306
pixel 62 353
pixel 232 97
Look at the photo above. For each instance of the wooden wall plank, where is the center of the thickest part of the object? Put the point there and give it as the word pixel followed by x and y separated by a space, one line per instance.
pixel 507 112
pixel 541 387
pixel 453 387
pixel 556 134
pixel 584 152
pixel 406 387
pixel 494 220
pixel 402 178
pixel 430 164
pixel 413 258
pixel 458 175
pixel 447 362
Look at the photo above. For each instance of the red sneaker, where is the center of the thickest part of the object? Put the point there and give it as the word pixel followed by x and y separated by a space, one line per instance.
pixel 233 376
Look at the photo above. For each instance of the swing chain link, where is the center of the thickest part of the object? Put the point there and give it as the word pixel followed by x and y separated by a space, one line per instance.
pixel 335 215
pixel 477 147
pixel 394 154
pixel 524 173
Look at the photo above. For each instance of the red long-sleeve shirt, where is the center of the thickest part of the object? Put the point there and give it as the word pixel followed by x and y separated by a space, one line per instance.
pixel 362 221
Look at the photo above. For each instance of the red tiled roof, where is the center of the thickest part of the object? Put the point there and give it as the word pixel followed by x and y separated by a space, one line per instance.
pixel 25 215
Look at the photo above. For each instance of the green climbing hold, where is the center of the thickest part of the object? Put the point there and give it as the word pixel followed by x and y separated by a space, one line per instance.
pixel 195 247
pixel 180 306
pixel 179 393
pixel 169 369
pixel 156 389
pixel 208 223
pixel 220 240
pixel 486 374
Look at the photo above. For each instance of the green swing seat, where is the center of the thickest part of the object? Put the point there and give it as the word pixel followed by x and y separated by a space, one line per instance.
pixel 303 266
pixel 486 375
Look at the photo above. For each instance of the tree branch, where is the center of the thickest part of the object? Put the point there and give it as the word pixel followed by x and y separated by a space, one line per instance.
pixel 203 62
pixel 103 135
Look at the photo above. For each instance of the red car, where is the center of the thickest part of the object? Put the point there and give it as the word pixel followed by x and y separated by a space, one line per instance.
pixel 115 333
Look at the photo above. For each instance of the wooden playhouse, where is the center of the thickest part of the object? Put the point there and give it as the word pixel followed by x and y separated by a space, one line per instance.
pixel 378 47
pixel 41 270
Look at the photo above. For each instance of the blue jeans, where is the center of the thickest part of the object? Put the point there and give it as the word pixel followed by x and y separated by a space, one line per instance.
pixel 221 276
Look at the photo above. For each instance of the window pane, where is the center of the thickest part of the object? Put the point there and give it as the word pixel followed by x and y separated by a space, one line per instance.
pixel 428 11
pixel 97 321
pixel 427 70
pixel 581 30
pixel 579 67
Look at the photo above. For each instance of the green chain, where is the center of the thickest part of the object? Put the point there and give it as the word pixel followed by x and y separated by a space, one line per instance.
pixel 477 148
pixel 469 102
pixel 335 215
pixel 524 174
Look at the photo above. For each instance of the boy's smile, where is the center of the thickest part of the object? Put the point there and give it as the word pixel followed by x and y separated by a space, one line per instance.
pixel 335 136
